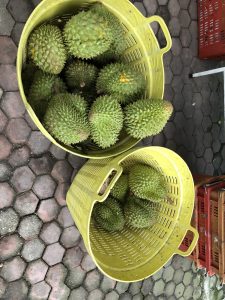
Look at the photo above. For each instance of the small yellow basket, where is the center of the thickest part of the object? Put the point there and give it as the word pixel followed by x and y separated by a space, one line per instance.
pixel 142 51
pixel 134 254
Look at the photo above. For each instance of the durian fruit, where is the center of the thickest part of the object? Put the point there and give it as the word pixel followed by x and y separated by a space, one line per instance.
pixel 44 86
pixel 120 78
pixel 109 215
pixel 147 183
pixel 106 121
pixel 140 213
pixel 120 188
pixel 46 49
pixel 81 75
pixel 107 57
pixel 66 120
pixel 29 70
pixel 87 35
pixel 144 118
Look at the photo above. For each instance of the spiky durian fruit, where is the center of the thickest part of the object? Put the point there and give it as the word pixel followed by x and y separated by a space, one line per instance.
pixel 66 120
pixel 46 49
pixel 120 78
pixel 144 118
pixel 80 74
pixel 107 57
pixel 120 188
pixel 106 121
pixel 140 213
pixel 87 34
pixel 147 183
pixel 109 215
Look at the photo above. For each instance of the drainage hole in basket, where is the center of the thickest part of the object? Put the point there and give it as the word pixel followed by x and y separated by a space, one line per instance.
pixel 106 183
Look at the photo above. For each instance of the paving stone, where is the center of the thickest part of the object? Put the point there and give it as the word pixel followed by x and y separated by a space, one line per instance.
pixel 44 187
pixel 75 278
pixel 151 6
pixel 92 280
pixel 13 269
pixel 53 254
pixel 176 65
pixel 170 288
pixel 40 291
pixel 36 271
pixel 126 296
pixel 17 290
pixel 57 152
pixel 8 221
pixel 65 218
pixel 158 287
pixel 16 32
pixel 38 143
pixel 19 156
pixel 95 294
pixel 73 257
pixel 107 284
pixel 179 290
pixel 140 7
pixel 176 47
pixel 3 121
pixel 135 287
pixel 8 50
pixel 186 264
pixel 162 2
pixel 174 8
pixel 174 26
pixel 163 12
pixel 30 227
pixel 147 286
pixel 112 296
pixel 6 22
pixel 12 104
pixel 50 233
pixel 70 237
pixel 138 297
pixel 30 122
pixel 79 293
pixel 122 287
pixel 185 37
pixel 5 171
pixel 168 75
pixel 188 292
pixel 41 165
pixel 197 293
pixel 8 80
pixel 20 13
pixel 168 274
pixel 3 286
pixel 56 275
pixel 32 249
pixel 158 275
pixel 76 161
pixel 10 246
pixel 48 210
pixel 60 193
pixel 26 203
pixel 193 10
pixel 60 292
pixel 22 179
pixel 185 19
pixel 6 195
pixel 17 131
pixel 5 147
pixel 187 278
pixel 62 171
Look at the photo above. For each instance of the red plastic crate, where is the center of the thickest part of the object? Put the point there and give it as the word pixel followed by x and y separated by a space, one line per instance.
pixel 211 27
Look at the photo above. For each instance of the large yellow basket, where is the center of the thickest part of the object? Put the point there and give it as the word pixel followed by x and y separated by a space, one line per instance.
pixel 142 51
pixel 134 254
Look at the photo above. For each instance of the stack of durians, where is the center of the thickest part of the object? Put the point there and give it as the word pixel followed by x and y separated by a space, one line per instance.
pixel 81 89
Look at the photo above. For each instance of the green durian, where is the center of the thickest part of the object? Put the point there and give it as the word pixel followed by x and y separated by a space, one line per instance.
pixel 87 35
pixel 147 183
pixel 120 188
pixel 109 215
pixel 120 78
pixel 140 213
pixel 106 121
pixel 107 57
pixel 144 118
pixel 66 120
pixel 81 75
pixel 29 70
pixel 46 49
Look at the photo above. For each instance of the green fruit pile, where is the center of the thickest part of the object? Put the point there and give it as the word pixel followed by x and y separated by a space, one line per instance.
pixel 81 89
pixel 133 200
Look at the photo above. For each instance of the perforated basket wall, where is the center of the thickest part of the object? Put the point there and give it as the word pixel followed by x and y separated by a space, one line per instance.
pixel 142 52
pixel 134 254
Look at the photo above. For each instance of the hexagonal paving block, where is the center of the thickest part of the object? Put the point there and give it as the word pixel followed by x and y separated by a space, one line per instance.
pixel 2 287
pixel 75 277
pixel 8 221
pixel 5 171
pixel 53 254
pixel 107 284
pixel 174 8
pixel 57 152
pixel 112 296
pixel 76 161
pixel 185 37
pixel 33 249
pixel 6 195
pixel 12 105
pixel 147 286
pixel 16 32
pixel 188 292
pixel 79 293
pixel 56 275
pixel 168 274
pixel 50 233
pixel 179 290
pixel 176 47
pixel 122 287
pixel 135 287
pixel 96 294
pixel 5 147
pixel 140 7
pixel 64 218
pixel 158 287
pixel 44 186
pixel 174 26
pixel 16 290
pixel 62 171
pixel 92 280
pixel 20 12
pixel 8 78
pixel 26 203
pixel 30 227
pixel 187 278
pixel 73 258
pixel 10 246
pixel 13 269
pixel 127 296
pixel 18 131
pixel 193 10
pixel 41 165
pixel 88 263
pixel 60 292
pixel 178 276
pixel 6 21
pixel 30 122
pixel 60 193
pixel 36 271
pixel 48 210
pixel 3 121
pixel 8 50
pixel 185 19
pixel 197 293
pixel 176 65
pixel 22 179
pixel 170 288
pixel 39 290
pixel 70 237
pixel 38 143
pixel 19 156
pixel 151 7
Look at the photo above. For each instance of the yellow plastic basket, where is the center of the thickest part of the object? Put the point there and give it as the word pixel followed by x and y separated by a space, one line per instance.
pixel 142 51
pixel 134 254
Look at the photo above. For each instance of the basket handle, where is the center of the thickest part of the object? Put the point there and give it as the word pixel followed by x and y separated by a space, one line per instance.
pixel 165 30
pixel 192 245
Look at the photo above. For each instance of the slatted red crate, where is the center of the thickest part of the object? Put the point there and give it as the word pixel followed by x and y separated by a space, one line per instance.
pixel 211 24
